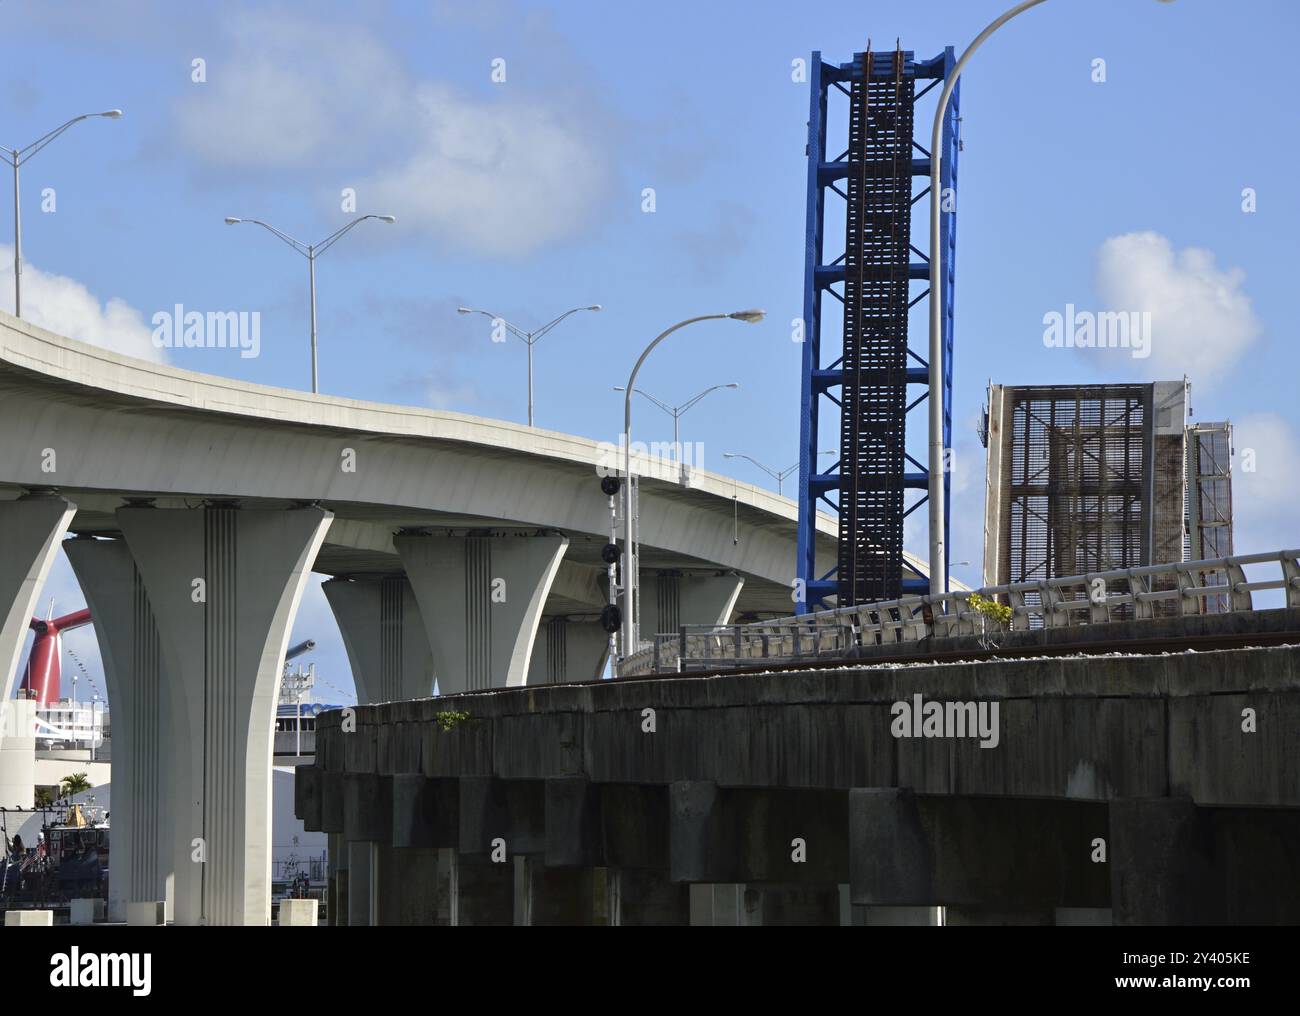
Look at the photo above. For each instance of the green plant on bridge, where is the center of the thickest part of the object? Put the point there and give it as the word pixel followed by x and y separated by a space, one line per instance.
pixel 450 719
pixel 999 613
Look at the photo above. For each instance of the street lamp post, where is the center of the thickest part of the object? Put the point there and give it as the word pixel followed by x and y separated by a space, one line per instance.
pixel 311 251
pixel 17 156
pixel 938 547
pixel 631 564
pixel 938 544
pixel 677 412
pixel 778 475
pixel 529 338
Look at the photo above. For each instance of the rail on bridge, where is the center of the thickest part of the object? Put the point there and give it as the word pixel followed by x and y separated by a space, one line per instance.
pixel 1135 596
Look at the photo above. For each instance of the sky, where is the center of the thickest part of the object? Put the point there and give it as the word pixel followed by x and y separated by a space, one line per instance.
pixel 1118 155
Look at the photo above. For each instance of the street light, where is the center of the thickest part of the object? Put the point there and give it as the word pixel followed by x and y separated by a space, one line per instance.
pixel 630 558
pixel 778 475
pixel 17 156
pixel 529 339
pixel 677 412
pixel 310 251
pixel 938 548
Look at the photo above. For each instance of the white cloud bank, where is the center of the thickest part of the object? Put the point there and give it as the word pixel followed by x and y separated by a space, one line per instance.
pixel 1202 321
pixel 502 176
pixel 66 307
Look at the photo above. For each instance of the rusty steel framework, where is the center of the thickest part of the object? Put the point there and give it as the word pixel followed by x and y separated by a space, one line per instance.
pixel 1078 494
pixel 1209 500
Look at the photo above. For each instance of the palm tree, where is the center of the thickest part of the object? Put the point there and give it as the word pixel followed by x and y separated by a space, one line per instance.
pixel 43 797
pixel 74 784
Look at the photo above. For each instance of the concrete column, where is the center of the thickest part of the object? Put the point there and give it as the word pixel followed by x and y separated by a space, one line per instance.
pixel 648 897
pixel 793 905
pixel 224 584
pixel 335 865
pixel 17 753
pixel 482 891
pixel 385 639
pixel 896 917
pixel 142 711
pixel 567 897
pixel 30 530
pixel 367 830
pixel 363 883
pixel 670 600
pixel 718 905
pixel 412 887
pixel 481 597
pixel 337 860
pixel 567 650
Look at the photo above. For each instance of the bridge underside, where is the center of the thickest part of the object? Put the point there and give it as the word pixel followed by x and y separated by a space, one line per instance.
pixel 1154 789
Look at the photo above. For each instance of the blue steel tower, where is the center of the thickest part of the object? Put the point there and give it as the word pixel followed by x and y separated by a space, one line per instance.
pixel 877 378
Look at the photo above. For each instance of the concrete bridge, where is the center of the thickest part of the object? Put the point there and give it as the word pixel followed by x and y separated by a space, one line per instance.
pixel 462 549
pixel 1153 787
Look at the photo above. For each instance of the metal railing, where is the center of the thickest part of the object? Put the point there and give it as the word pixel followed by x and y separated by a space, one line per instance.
pixel 1215 586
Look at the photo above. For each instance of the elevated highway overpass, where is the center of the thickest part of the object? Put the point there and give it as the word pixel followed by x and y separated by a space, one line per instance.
pixel 460 548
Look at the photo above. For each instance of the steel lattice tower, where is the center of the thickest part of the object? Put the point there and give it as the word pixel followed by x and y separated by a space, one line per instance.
pixel 877 379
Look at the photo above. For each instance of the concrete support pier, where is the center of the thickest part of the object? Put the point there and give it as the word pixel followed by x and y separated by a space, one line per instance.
pixel 568 650
pixel 30 530
pixel 481 597
pixel 384 636
pixel 224 584
pixel 672 599
pixel 143 710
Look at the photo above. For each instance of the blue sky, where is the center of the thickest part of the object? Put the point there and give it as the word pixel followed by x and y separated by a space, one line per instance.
pixel 525 196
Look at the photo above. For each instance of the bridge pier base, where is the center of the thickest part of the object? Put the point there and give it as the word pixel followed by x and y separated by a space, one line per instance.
pixel 143 708
pixel 568 651
pixel 384 635
pixel 224 584
pixel 494 588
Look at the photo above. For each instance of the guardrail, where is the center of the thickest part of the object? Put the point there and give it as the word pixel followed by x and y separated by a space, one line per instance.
pixel 1214 586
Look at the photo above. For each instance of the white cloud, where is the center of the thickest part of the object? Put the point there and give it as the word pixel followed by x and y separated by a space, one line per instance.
pixel 290 91
pixel 1201 319
pixel 502 179
pixel 66 307
pixel 1266 483
pixel 499 177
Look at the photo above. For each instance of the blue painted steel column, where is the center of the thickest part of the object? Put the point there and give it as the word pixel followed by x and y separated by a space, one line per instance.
pixel 809 401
